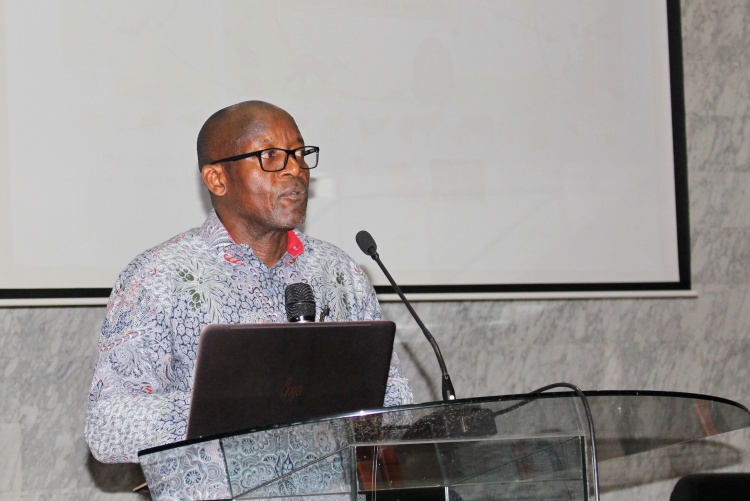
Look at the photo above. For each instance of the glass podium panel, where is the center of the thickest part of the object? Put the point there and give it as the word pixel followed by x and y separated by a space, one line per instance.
pixel 531 447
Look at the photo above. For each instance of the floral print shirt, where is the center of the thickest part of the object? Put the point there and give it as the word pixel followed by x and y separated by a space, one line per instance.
pixel 140 393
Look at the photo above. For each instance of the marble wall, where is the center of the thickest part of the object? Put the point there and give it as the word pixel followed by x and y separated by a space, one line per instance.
pixel 693 345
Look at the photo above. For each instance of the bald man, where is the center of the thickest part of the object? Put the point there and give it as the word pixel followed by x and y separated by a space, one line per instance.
pixel 232 269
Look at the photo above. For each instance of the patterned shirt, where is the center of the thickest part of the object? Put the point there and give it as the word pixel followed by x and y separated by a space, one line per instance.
pixel 140 393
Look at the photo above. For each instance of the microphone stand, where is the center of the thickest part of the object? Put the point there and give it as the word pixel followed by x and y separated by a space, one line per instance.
pixel 448 392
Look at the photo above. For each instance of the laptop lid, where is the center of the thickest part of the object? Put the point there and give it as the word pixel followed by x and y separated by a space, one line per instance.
pixel 252 375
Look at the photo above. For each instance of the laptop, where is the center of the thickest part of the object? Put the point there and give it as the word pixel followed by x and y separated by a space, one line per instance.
pixel 254 375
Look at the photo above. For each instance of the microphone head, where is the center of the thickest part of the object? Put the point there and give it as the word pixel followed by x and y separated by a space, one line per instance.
pixel 367 243
pixel 300 303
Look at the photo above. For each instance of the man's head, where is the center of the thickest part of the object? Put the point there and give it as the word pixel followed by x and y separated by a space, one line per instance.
pixel 251 202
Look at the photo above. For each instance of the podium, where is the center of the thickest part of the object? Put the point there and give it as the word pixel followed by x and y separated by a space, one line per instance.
pixel 531 447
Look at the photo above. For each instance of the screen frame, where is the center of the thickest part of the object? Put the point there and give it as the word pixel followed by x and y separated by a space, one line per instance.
pixel 81 296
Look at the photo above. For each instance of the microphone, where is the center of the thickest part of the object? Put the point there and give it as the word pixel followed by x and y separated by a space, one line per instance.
pixel 369 247
pixel 300 303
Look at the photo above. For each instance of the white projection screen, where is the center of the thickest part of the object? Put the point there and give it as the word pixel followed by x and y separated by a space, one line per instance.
pixel 490 147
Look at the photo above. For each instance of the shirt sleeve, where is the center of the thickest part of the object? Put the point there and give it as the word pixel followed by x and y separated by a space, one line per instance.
pixel 398 391
pixel 134 402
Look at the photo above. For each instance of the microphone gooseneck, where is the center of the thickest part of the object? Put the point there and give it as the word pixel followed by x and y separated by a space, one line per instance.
pixel 367 244
pixel 300 303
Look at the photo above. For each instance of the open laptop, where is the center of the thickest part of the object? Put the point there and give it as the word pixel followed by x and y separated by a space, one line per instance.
pixel 253 375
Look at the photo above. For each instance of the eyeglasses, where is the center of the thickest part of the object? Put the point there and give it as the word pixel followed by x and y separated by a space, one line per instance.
pixel 275 159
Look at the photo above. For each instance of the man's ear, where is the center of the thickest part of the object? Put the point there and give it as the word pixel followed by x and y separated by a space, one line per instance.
pixel 215 179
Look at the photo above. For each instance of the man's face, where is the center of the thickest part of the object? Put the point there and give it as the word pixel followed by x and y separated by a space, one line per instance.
pixel 260 201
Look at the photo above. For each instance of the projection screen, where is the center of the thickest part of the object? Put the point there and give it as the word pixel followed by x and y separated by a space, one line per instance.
pixel 488 146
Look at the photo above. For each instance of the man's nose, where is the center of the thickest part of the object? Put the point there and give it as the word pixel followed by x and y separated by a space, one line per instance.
pixel 292 166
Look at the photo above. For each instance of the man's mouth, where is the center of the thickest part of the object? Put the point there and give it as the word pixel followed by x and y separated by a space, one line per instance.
pixel 295 193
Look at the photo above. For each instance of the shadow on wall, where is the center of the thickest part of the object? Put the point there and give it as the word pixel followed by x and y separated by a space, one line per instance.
pixel 115 477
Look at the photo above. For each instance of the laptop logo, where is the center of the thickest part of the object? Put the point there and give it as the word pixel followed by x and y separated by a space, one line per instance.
pixel 290 391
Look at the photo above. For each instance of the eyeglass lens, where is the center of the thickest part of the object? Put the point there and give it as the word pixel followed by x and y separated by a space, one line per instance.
pixel 275 159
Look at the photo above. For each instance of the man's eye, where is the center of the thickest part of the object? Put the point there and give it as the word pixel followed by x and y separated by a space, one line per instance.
pixel 271 153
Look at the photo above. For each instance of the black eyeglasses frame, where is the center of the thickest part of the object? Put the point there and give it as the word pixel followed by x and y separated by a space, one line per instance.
pixel 258 154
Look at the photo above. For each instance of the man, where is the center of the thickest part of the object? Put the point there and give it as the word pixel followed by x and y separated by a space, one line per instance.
pixel 233 269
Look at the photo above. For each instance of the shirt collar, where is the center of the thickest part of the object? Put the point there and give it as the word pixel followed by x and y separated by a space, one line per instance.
pixel 215 233
pixel 219 238
pixel 294 245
